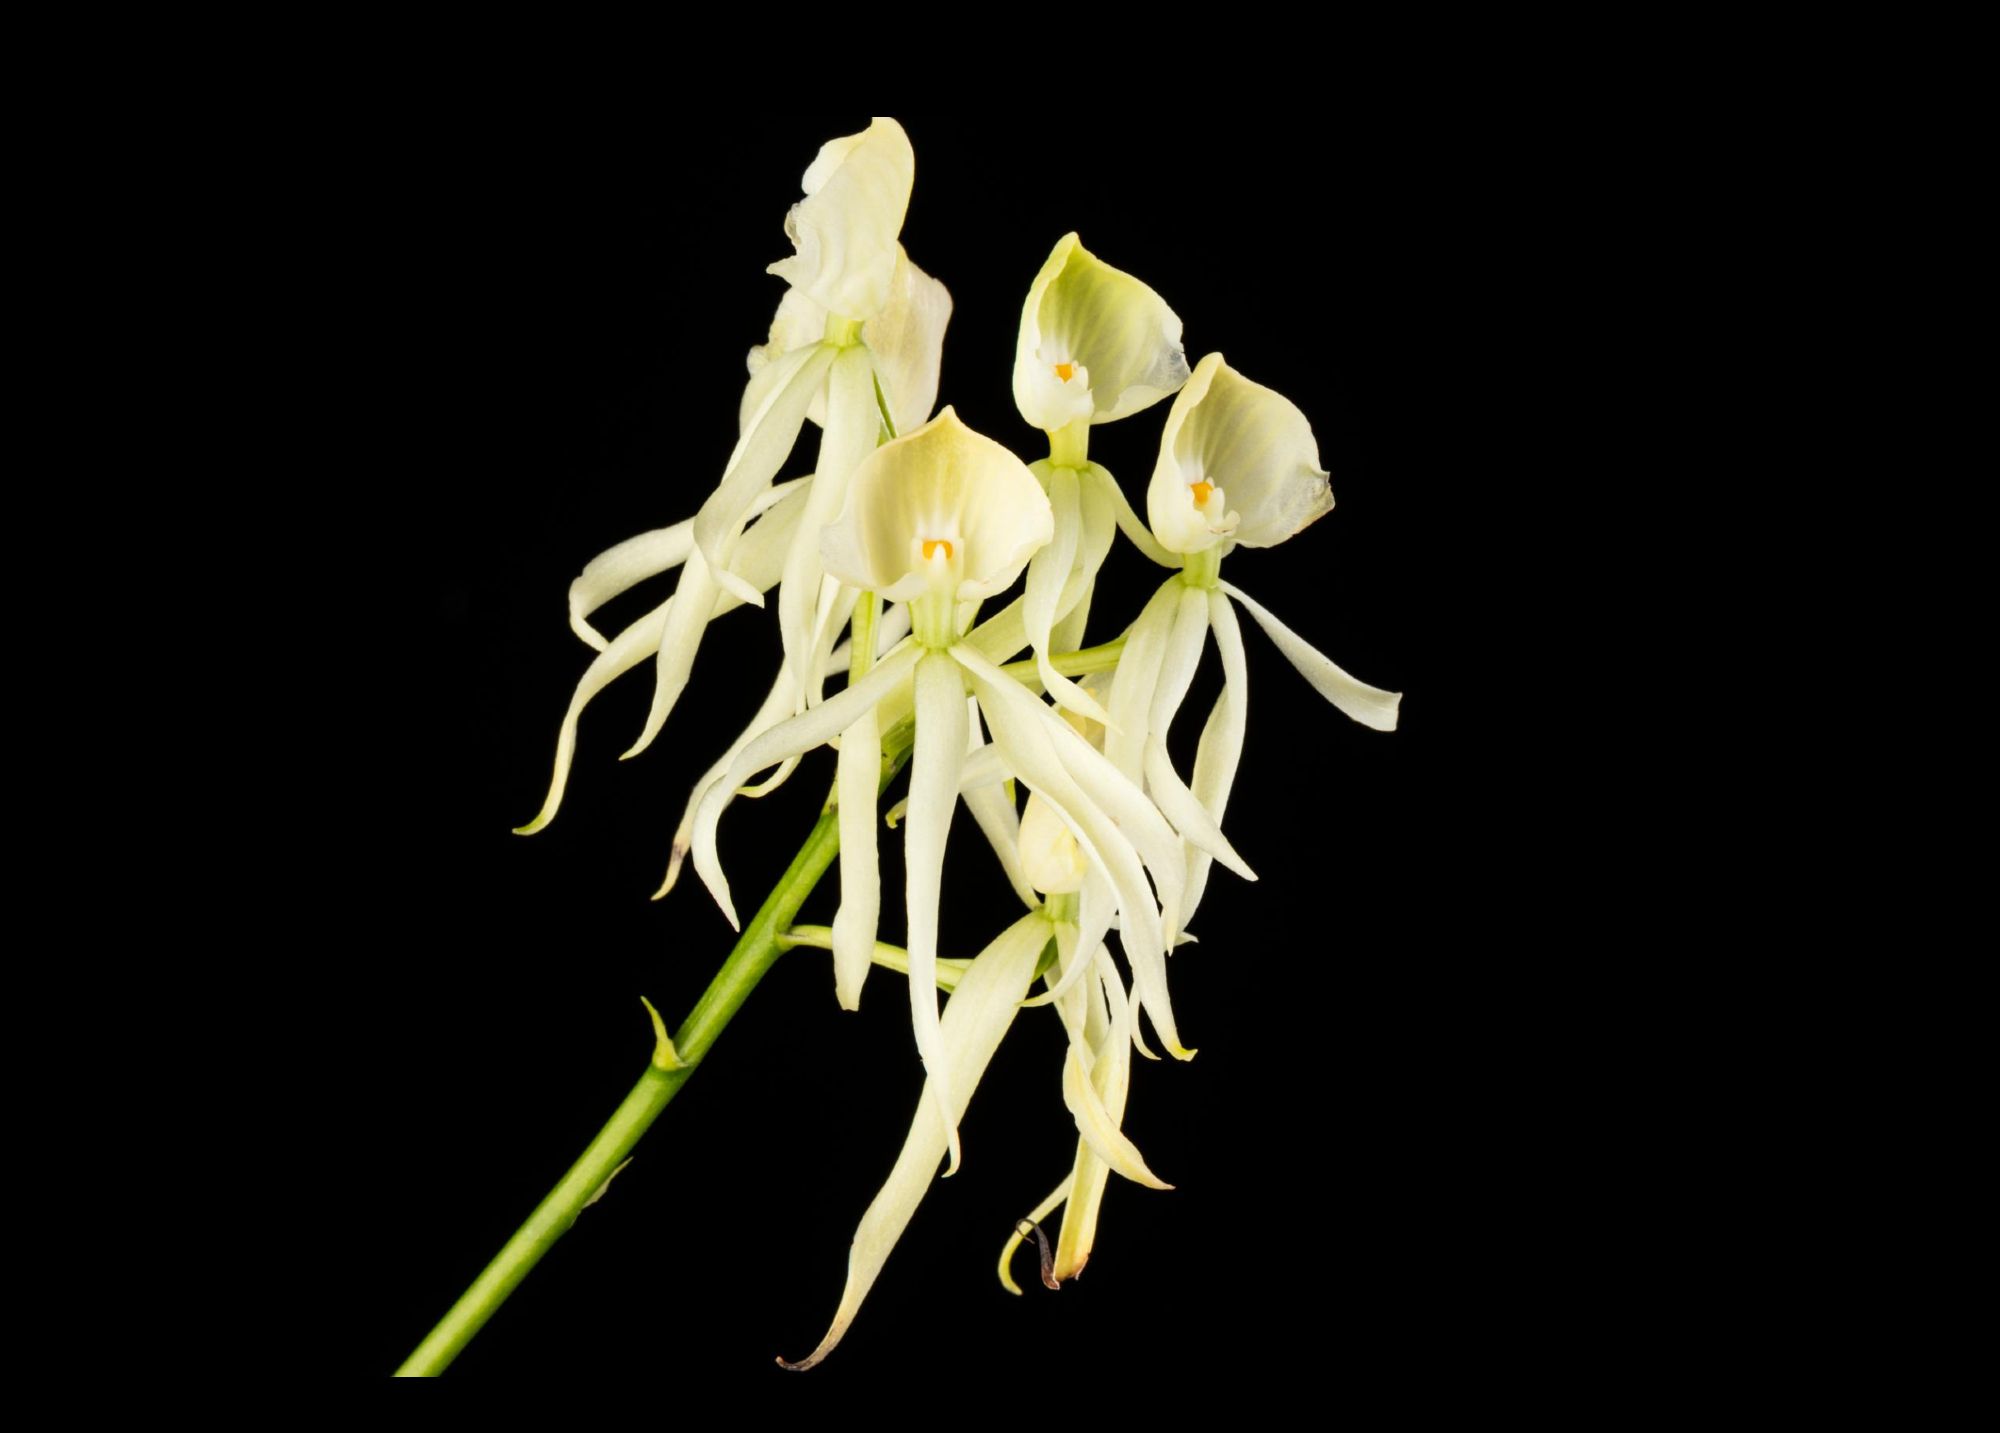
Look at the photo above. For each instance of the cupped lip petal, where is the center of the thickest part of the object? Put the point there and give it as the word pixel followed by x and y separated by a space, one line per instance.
pixel 1251 442
pixel 844 230
pixel 942 481
pixel 1083 311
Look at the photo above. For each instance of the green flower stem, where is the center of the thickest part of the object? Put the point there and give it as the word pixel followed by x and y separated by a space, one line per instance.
pixel 756 952
pixel 1101 658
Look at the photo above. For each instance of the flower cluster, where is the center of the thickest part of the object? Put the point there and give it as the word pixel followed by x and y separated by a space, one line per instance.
pixel 885 560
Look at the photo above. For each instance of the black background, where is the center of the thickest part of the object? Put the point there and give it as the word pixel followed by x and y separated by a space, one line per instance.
pixel 537 351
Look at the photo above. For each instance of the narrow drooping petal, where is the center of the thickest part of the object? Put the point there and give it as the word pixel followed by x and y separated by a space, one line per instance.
pixel 1238 463
pixel 859 777
pixel 934 775
pixel 761 450
pixel 1138 675
pixel 1111 1075
pixel 993 809
pixel 1178 804
pixel 942 493
pixel 1371 706
pixel 1048 574
pixel 778 704
pixel 1094 343
pixel 801 733
pixel 975 1020
pixel 852 427
pixel 620 568
pixel 1216 759
pixel 1028 734
pixel 845 229
pixel 1178 660
pixel 626 651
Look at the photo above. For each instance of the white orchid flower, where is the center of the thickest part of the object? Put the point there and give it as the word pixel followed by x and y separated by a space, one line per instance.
pixel 1238 466
pixel 860 319
pixel 1095 345
pixel 942 518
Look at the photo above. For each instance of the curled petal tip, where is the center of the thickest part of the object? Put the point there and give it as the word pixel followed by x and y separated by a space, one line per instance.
pixel 533 826
pixel 673 869
pixel 803 1364
pixel 1180 1053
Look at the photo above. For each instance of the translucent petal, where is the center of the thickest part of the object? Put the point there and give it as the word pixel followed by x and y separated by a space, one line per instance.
pixel 845 229
pixel 907 339
pixel 1371 706
pixel 1246 440
pixel 801 733
pixel 975 1021
pixel 934 775
pixel 631 647
pixel 761 450
pixel 1111 332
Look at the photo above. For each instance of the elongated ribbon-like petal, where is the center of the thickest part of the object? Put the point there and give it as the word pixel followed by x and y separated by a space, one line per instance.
pixel 1178 660
pixel 1094 343
pixel 621 568
pixel 631 647
pixel 845 229
pixel 1111 1073
pixel 859 776
pixel 1137 677
pixel 1048 574
pixel 1037 744
pixel 760 451
pixel 851 430
pixel 986 797
pixel 1178 804
pixel 975 1021
pixel 1216 759
pixel 934 774
pixel 778 704
pixel 1371 706
pixel 801 733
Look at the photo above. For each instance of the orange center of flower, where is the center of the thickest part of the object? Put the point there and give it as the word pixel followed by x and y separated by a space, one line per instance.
pixel 932 544
pixel 1065 371
pixel 1201 492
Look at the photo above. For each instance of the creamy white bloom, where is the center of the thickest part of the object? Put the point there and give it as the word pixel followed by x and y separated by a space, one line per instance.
pixel 1238 464
pixel 1094 343
pixel 845 229
pixel 942 511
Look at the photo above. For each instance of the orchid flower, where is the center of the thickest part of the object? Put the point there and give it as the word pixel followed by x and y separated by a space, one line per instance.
pixel 1238 467
pixel 941 519
pixel 1095 345
pixel 860 319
